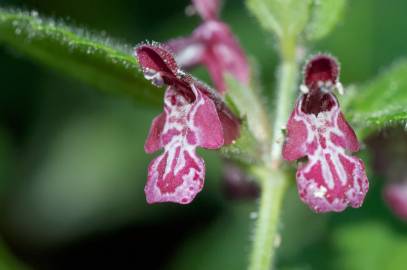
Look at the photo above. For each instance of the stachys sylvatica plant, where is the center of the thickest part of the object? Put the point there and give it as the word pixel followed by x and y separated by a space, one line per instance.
pixel 306 125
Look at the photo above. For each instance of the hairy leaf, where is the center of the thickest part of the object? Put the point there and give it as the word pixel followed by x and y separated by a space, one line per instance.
pixel 94 59
pixel 381 102
pixel 245 149
pixel 325 15
pixel 250 105
pixel 284 18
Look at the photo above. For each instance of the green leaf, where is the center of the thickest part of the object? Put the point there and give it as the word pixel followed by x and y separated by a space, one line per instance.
pixel 325 15
pixel 96 60
pixel 250 105
pixel 379 103
pixel 284 18
pixel 93 59
pixel 245 149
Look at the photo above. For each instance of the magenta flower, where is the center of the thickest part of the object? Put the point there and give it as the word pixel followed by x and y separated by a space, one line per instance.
pixel 395 195
pixel 213 45
pixel 194 116
pixel 389 156
pixel 330 179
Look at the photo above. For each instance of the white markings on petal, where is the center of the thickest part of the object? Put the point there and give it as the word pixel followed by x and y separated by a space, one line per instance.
pixel 320 192
pixel 317 186
pixel 183 171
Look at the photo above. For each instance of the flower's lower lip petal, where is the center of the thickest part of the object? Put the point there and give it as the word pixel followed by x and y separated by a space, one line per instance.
pixel 321 186
pixel 180 184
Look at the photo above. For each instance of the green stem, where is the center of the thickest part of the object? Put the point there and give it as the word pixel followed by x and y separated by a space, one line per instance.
pixel 273 179
pixel 273 184
pixel 287 80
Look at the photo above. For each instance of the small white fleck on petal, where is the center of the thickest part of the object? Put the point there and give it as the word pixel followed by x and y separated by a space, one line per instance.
pixel 320 192
pixel 304 89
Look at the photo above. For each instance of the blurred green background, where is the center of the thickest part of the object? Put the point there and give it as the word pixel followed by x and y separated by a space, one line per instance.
pixel 73 168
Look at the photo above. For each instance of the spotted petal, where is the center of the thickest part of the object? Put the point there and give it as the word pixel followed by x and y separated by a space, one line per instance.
pixel 331 179
pixel 194 116
pixel 178 174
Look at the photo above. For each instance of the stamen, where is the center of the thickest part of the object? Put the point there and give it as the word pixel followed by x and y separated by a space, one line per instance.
pixel 153 76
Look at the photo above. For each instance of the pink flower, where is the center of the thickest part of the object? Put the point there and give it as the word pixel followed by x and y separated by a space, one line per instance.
pixel 389 156
pixel 194 116
pixel 213 45
pixel 330 179
pixel 395 195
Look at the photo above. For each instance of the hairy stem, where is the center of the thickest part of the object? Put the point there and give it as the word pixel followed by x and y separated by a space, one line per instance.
pixel 273 179
pixel 266 238
pixel 287 80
